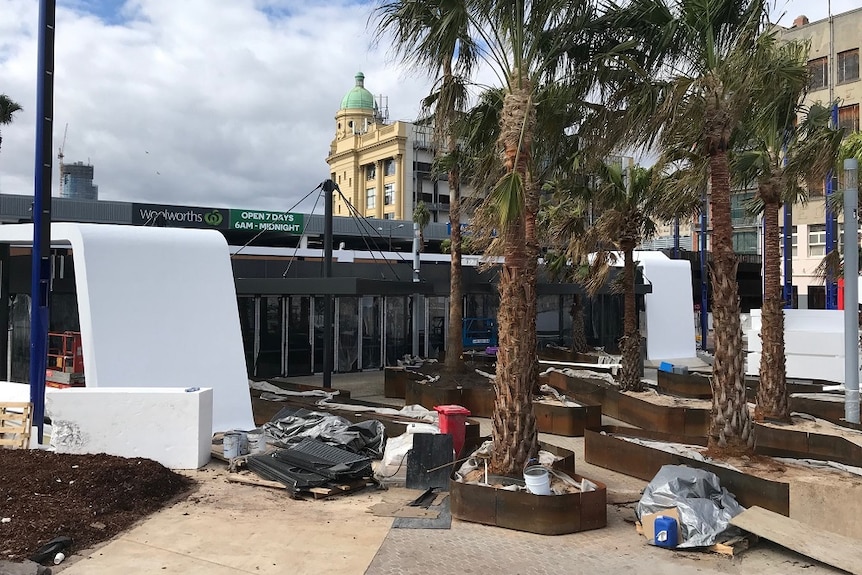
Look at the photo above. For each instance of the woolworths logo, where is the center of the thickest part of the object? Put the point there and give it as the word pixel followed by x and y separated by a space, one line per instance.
pixel 214 218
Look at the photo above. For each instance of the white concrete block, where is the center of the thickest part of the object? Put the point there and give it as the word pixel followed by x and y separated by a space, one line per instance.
pixel 804 342
pixel 169 425
pixel 828 368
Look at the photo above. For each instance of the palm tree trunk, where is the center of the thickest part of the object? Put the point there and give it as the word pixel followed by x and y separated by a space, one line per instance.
pixel 731 426
pixel 513 424
pixel 454 339
pixel 579 335
pixel 772 400
pixel 630 343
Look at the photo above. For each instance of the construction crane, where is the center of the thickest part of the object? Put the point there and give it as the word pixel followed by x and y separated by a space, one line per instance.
pixel 60 156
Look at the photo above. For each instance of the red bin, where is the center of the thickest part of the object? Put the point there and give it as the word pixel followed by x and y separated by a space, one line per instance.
pixel 453 421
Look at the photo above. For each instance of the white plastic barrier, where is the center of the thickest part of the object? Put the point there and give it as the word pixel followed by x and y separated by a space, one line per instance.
pixel 169 425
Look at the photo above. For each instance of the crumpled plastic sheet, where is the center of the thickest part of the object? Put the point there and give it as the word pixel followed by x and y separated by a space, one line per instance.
pixel 705 507
pixel 366 437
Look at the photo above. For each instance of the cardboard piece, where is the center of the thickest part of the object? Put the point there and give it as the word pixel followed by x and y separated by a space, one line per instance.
pixel 648 524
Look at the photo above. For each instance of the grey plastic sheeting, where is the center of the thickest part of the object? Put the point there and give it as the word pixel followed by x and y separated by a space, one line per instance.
pixel 705 507
pixel 289 426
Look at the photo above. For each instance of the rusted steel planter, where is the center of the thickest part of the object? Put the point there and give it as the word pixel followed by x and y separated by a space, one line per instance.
pixel 788 442
pixel 689 421
pixel 550 418
pixel 608 450
pixel 542 514
pixel 691 385
pixel 395 379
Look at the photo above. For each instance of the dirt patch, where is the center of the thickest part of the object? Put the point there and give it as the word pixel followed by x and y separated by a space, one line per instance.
pixel 669 400
pixel 90 498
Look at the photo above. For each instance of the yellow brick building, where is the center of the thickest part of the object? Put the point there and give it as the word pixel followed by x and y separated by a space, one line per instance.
pixel 383 169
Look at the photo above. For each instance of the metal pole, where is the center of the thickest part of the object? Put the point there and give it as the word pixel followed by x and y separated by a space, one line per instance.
pixel 40 286
pixel 704 285
pixel 788 256
pixel 851 291
pixel 676 238
pixel 831 222
pixel 328 187
pixel 416 260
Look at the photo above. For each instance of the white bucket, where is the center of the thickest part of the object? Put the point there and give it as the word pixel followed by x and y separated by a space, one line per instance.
pixel 231 444
pixel 538 480
pixel 256 441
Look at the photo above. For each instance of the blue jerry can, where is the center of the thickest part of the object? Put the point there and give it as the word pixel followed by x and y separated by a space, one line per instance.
pixel 665 532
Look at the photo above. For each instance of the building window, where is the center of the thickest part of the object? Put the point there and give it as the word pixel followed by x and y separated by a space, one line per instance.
pixel 794 242
pixel 370 195
pixel 370 172
pixel 389 167
pixel 848 118
pixel 816 240
pixel 819 70
pixel 389 194
pixel 745 242
pixel 848 65
pixel 389 216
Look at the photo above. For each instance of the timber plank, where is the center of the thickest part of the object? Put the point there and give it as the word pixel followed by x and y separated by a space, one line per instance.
pixel 830 548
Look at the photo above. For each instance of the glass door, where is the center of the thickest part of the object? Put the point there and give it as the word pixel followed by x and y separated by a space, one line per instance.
pixel 372 331
pixel 299 336
pixel 347 338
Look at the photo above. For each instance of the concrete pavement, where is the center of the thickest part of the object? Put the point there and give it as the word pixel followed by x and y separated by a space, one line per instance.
pixel 227 528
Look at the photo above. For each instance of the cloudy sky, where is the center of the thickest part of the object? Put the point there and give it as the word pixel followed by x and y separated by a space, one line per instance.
pixel 225 103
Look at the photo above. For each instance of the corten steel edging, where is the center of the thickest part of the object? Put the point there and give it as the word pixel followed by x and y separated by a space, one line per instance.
pixel 787 442
pixel 550 418
pixel 643 462
pixel 545 515
pixel 684 385
pixel 666 419
pixel 829 410
pixel 752 382
pixel 395 380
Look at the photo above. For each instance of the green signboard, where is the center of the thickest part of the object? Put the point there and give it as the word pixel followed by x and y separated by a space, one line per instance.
pixel 256 221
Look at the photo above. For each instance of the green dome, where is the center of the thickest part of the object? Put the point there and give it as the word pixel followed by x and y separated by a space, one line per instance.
pixel 358 97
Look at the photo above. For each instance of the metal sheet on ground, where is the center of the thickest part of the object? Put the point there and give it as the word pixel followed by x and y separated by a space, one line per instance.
pixel 442 521
pixel 427 461
pixel 830 548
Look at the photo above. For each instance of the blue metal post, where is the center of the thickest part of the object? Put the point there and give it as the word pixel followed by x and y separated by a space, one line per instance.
pixel 704 285
pixel 41 260
pixel 788 256
pixel 831 225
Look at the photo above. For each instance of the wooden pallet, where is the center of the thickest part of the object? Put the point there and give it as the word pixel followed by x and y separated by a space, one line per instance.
pixel 15 423
pixel 731 547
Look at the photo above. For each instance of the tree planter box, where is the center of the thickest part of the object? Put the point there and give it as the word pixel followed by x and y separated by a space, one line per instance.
pixel 550 418
pixel 691 385
pixel 605 448
pixel 789 442
pixel 689 421
pixel 395 379
pixel 542 514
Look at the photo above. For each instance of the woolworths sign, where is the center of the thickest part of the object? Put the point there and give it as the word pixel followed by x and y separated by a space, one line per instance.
pixel 256 221
pixel 160 215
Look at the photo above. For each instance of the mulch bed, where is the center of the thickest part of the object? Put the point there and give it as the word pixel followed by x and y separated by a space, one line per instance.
pixel 90 498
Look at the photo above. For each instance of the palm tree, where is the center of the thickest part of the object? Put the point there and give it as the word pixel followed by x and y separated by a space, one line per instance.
pixel 421 216
pixel 8 107
pixel 781 155
pixel 627 211
pixel 710 67
pixel 433 36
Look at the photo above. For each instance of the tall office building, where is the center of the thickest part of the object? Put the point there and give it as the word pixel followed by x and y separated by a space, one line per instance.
pixel 833 61
pixel 384 169
pixel 76 182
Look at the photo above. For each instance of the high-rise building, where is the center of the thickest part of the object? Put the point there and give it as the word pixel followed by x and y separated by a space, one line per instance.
pixel 833 61
pixel 383 169
pixel 76 182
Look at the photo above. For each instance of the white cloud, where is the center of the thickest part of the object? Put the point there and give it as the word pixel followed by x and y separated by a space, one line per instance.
pixel 203 102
